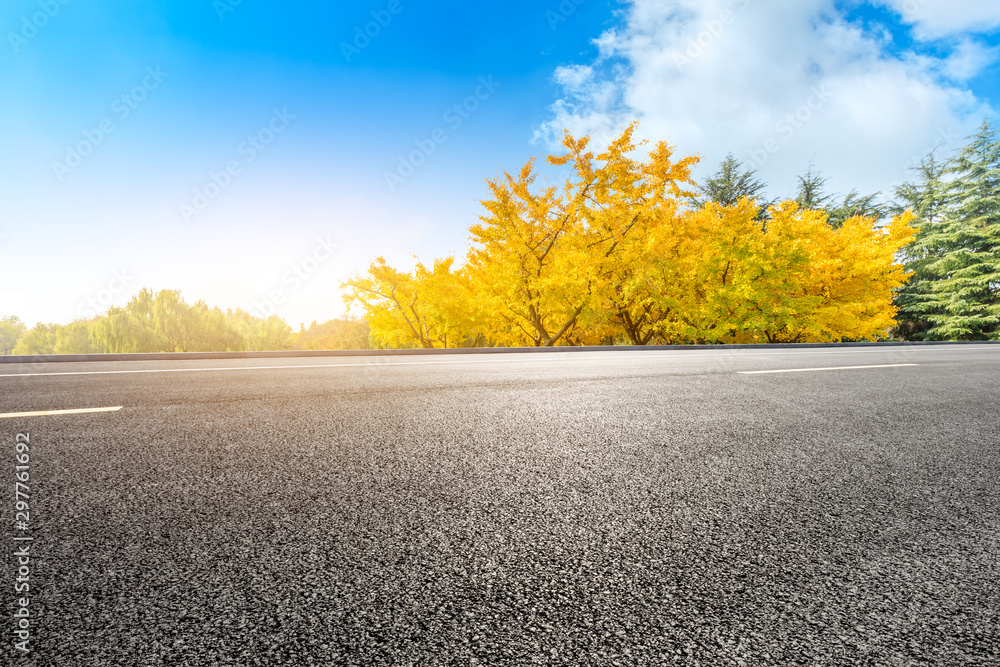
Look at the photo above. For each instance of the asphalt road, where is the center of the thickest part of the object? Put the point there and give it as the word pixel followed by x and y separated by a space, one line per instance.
pixel 586 509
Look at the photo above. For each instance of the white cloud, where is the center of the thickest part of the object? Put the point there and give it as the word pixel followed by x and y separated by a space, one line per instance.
pixel 776 86
pixel 939 18
pixel 968 59
pixel 573 76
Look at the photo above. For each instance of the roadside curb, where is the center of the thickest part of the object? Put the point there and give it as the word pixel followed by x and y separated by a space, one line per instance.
pixel 278 354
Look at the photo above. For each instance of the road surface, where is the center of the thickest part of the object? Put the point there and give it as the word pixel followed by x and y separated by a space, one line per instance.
pixel 632 508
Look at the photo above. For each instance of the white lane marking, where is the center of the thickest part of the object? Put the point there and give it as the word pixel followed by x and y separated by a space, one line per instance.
pixel 832 368
pixel 46 413
pixel 629 355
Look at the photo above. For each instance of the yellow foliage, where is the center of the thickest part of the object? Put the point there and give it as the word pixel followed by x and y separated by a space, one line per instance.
pixel 797 280
pixel 428 307
pixel 613 256
pixel 541 260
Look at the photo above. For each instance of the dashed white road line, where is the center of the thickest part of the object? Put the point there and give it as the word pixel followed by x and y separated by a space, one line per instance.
pixel 46 413
pixel 832 368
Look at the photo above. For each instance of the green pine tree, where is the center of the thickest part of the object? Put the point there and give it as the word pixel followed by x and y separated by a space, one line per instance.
pixel 927 199
pixel 961 259
pixel 855 204
pixel 812 195
pixel 730 184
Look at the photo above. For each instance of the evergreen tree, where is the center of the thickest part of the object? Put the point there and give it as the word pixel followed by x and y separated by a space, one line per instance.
pixel 927 199
pixel 730 184
pixel 812 195
pixel 958 257
pixel 853 205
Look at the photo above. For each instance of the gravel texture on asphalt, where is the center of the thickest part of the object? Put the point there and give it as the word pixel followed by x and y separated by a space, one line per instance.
pixel 613 510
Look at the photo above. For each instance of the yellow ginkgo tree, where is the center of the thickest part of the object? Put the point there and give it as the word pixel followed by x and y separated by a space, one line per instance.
pixel 730 279
pixel 552 266
pixel 615 255
pixel 428 307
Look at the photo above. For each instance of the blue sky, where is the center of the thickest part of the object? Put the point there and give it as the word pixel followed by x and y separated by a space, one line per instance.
pixel 221 148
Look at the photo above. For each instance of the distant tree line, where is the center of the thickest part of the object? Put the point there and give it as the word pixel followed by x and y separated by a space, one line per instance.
pixel 164 322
